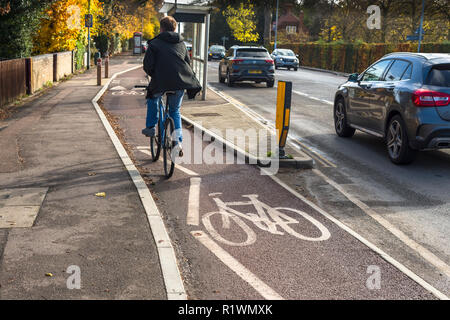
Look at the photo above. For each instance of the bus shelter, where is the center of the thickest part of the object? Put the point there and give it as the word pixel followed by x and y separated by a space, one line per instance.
pixel 195 16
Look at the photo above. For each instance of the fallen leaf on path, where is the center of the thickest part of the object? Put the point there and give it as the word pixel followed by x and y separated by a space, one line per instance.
pixel 101 194
pixel 91 174
pixel 49 274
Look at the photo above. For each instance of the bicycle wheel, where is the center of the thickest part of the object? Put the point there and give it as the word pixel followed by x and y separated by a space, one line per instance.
pixel 225 223
pixel 288 217
pixel 169 164
pixel 155 143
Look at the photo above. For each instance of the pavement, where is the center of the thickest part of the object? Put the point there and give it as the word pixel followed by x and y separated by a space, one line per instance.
pixel 56 156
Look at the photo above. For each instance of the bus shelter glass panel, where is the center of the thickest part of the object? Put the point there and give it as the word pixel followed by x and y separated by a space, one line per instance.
pixel 198 50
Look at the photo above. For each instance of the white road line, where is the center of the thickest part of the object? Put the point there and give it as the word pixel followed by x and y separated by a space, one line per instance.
pixel 185 170
pixel 425 253
pixel 313 98
pixel 192 218
pixel 167 259
pixel 370 245
pixel 245 274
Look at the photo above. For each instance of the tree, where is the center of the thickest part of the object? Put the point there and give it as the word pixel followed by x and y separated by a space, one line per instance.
pixel 242 22
pixel 63 25
pixel 19 21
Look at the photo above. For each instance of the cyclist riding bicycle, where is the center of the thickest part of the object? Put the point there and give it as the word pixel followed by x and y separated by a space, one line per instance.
pixel 167 62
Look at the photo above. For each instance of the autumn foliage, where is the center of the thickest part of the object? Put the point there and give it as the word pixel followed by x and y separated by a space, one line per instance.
pixel 62 25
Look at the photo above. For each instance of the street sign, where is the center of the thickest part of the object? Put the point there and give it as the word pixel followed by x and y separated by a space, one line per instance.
pixel 414 38
pixel 88 21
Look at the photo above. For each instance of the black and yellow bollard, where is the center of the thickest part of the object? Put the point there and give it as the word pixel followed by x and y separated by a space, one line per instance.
pixel 284 96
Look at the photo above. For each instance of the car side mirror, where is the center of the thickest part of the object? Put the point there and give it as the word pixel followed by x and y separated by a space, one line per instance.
pixel 353 77
pixel 297 55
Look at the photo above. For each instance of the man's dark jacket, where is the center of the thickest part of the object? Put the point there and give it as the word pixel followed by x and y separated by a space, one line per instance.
pixel 167 63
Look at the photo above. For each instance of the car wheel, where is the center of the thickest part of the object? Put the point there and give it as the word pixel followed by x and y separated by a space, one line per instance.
pixel 397 142
pixel 270 84
pixel 276 67
pixel 221 79
pixel 340 120
pixel 295 69
pixel 289 69
pixel 229 81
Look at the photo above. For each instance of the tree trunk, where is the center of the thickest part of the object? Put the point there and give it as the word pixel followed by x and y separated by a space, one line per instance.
pixel 267 25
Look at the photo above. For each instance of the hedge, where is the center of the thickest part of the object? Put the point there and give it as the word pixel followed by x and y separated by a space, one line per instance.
pixel 351 57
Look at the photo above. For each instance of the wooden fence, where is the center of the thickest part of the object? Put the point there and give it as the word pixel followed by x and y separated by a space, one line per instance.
pixel 13 79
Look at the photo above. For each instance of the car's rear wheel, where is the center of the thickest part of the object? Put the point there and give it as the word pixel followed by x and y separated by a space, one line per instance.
pixel 229 81
pixel 340 120
pixel 270 84
pixel 221 79
pixel 295 69
pixel 397 142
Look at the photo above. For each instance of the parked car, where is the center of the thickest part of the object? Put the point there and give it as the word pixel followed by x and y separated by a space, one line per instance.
pixel 403 98
pixel 285 58
pixel 216 52
pixel 247 64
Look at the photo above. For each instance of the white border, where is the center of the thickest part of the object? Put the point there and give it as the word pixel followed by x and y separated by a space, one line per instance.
pixel 167 259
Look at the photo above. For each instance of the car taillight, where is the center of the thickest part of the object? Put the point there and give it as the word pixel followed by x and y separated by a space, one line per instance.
pixel 428 98
pixel 237 61
pixel 269 61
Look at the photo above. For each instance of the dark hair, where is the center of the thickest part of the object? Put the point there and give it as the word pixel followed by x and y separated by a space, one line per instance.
pixel 168 23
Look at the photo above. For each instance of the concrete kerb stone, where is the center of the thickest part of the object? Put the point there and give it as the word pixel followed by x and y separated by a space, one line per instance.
pixel 296 162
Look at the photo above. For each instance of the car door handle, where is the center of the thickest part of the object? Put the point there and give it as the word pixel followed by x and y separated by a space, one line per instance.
pixel 390 87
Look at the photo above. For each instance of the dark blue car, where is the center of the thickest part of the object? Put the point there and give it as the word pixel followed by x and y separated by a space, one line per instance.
pixel 247 64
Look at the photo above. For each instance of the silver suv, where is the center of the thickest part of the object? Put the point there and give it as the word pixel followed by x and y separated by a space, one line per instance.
pixel 403 98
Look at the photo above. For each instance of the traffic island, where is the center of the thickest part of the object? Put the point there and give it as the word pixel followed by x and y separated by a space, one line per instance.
pixel 232 124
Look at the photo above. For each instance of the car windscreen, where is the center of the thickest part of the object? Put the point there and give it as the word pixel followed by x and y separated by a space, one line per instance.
pixel 252 53
pixel 217 49
pixel 286 53
pixel 439 76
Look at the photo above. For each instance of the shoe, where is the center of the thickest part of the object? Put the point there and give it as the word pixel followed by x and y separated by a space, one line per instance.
pixel 178 149
pixel 149 132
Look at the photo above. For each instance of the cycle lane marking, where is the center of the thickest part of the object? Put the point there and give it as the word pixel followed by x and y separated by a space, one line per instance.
pixel 245 274
pixel 193 214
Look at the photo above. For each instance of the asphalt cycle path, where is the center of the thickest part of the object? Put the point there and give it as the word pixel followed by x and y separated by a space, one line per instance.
pixel 239 234
pixel 401 209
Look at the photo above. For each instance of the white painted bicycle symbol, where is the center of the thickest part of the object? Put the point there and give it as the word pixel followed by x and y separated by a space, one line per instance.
pixel 277 221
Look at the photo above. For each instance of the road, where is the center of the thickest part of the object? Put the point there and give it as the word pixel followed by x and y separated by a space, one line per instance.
pixel 242 235
pixel 404 210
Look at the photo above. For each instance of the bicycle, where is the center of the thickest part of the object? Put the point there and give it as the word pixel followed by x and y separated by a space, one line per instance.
pixel 163 138
pixel 267 219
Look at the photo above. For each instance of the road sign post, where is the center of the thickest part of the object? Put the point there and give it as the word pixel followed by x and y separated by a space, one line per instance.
pixel 284 97
pixel 89 26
